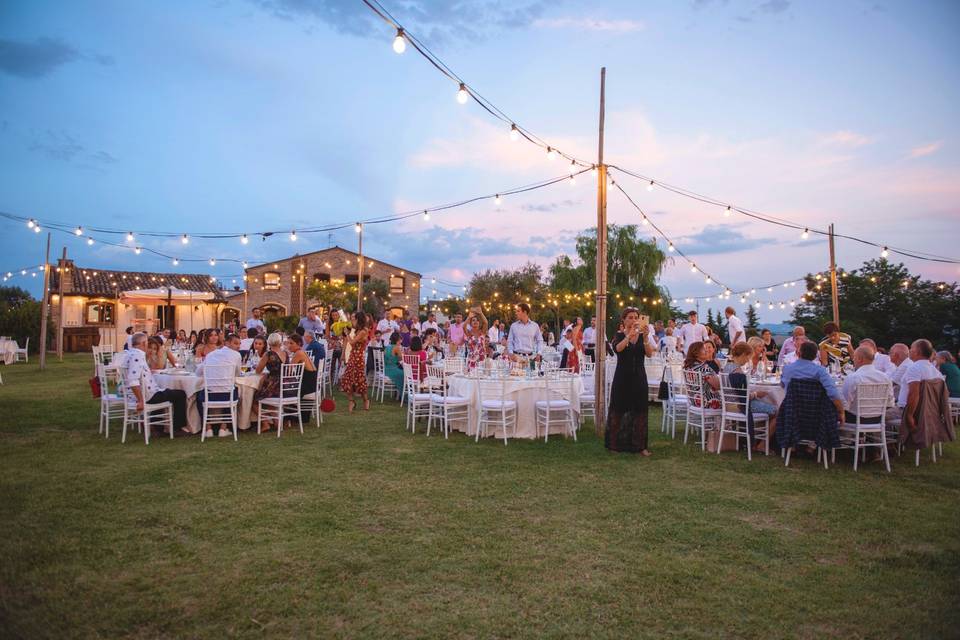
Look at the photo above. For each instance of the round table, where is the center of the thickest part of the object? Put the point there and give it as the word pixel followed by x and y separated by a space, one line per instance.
pixel 525 391
pixel 191 383
pixel 774 392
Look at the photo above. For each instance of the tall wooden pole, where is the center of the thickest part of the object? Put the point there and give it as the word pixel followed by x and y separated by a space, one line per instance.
pixel 44 311
pixel 833 280
pixel 360 267
pixel 63 273
pixel 600 350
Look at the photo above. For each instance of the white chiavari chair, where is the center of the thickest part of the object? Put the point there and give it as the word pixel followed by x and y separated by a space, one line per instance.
pixel 287 404
pixel 219 379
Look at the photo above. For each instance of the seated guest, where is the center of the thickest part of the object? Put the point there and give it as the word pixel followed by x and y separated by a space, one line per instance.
pixel 211 342
pixel 431 344
pixel 900 358
pixel 308 383
pixel 696 361
pixel 182 342
pixel 948 367
pixel 192 341
pixel 758 358
pixel 790 345
pixel 274 345
pixel 158 355
pixel 257 351
pixel 770 349
pixel 392 360
pixel 229 355
pixel 881 361
pixel 313 348
pixel 806 369
pixel 247 342
pixel 405 334
pixel 740 356
pixel 866 373
pixel 710 355
pixel 836 347
pixel 416 349
pixel 921 353
pixel 270 383
pixel 139 379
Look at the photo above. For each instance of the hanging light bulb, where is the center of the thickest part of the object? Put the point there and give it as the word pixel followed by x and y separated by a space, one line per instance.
pixel 36 228
pixel 709 280
pixel 137 250
pixel 426 215
pixel 184 239
pixel 514 132
pixel 175 262
pixel 462 94
pixel 770 306
pixel 497 200
pixel 805 234
pixel 742 299
pixel 693 268
pixel 726 213
pixel 293 236
pixel 90 241
pixel 78 231
pixel 244 239
pixel 572 181
pixel 23 272
pixel 593 171
pixel 399 43
pixel 769 289
pixel 30 223
pixel 551 154
pixel 650 186
pixel 757 304
pixel 213 262
pixel 433 281
pixel 646 221
pixel 244 264
pixel 129 236
pixel 782 306
pixel 358 227
pixel 884 253
pixel 573 167
pixel 670 247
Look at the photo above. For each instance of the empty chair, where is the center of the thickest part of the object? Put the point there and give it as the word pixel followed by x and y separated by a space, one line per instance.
pixel 675 406
pixel 220 380
pixel 381 381
pixel 287 404
pixel 111 403
pixel 554 406
pixel 22 355
pixel 495 409
pixel 311 401
pixel 444 406
pixel 418 403
pixel 873 399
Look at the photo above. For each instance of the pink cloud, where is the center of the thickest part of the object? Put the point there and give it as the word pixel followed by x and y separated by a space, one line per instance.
pixel 925 149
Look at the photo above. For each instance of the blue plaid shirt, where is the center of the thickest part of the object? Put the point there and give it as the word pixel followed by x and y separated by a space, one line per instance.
pixel 807 370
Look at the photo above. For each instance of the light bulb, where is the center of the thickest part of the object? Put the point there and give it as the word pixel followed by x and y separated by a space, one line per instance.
pixel 462 94
pixel 244 239
pixel 727 212
pixel 650 186
pixel 399 43
pixel 884 253
pixel 129 236
pixel 551 154
pixel 757 304
pixel 30 223
pixel 293 236
pixel 645 221
pixel 358 227
pixel 213 262
pixel 433 281
pixel 175 262
pixel 769 289
pixel 184 239
pixel 514 133
pixel 573 167
pixel 708 280
pixel 693 268
pixel 805 234
pixel 23 272
pixel 78 231
pixel 593 171
pixel 137 250
pixel 244 264
pixel 497 200
pixel 770 306
pixel 572 181
pixel 670 247
pixel 90 241
pixel 36 228
pixel 426 215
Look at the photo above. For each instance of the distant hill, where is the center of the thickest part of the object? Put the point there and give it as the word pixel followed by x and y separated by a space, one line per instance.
pixel 778 328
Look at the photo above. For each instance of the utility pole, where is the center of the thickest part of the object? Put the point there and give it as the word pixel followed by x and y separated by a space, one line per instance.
pixel 43 306
pixel 63 270
pixel 600 351
pixel 833 280
pixel 359 229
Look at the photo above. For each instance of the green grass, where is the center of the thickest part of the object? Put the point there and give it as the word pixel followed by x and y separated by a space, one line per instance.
pixel 361 529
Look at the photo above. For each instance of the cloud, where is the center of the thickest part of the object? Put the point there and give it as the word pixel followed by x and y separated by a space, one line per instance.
pixel 719 239
pixel 925 149
pixel 590 24
pixel 57 145
pixel 549 206
pixel 845 138
pixel 42 57
pixel 774 6
pixel 434 20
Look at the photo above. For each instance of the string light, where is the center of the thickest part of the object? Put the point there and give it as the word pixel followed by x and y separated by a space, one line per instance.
pixel 884 253
pixel 244 239
pixel 89 240
pixel 551 154
pixel 244 264
pixel 78 231
pixel 358 227
pixel 670 247
pixel 175 262
pixel 726 212
pixel 426 215
pixel 129 236
pixel 137 250
pixel 213 262
pixel 184 239
pixel 497 200
pixel 293 236
pixel 30 223
pixel 36 228
pixel 693 268
pixel 650 186
pixel 462 94
pixel 514 133
pixel 399 43
pixel 593 171
pixel 573 167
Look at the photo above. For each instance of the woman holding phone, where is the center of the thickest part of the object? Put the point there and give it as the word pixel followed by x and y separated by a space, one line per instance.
pixel 627 419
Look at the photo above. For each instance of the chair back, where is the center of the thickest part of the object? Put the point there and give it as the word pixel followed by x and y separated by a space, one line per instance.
pixel 291 376
pixel 873 400
pixel 693 385
pixel 379 365
pixel 409 382
pixel 733 400
pixel 587 369
pixel 128 396
pixel 321 369
pixel 557 385
pixel 454 365
pixel 218 378
pixel 437 376
pixel 492 389
pixel 807 414
pixel 414 362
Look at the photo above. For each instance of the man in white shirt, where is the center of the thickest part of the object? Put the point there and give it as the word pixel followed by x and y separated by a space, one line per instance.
pixel 880 360
pixel 590 339
pixel 900 358
pixel 247 342
pixel 139 379
pixel 866 373
pixel 256 323
pixel 692 332
pixel 429 323
pixel 493 333
pixel 386 327
pixel 922 369
pixel 734 327
pixel 525 338
pixel 229 355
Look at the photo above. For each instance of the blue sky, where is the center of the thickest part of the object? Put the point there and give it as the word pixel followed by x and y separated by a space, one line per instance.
pixel 238 116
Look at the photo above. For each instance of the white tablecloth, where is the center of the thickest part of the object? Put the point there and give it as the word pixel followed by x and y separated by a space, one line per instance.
pixel 191 383
pixel 524 391
pixel 8 350
pixel 775 393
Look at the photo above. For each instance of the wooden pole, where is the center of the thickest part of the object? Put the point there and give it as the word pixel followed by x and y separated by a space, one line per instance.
pixel 833 280
pixel 63 272
pixel 600 350
pixel 360 269
pixel 44 311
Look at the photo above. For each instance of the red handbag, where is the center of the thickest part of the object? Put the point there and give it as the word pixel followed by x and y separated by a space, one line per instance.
pixel 95 387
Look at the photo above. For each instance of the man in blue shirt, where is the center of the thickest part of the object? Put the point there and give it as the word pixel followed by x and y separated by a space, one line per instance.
pixel 806 369
pixel 312 322
pixel 313 348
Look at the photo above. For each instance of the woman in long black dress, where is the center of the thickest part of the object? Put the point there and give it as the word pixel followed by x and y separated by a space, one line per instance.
pixel 627 419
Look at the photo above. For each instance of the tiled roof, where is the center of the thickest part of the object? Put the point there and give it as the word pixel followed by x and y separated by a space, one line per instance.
pixel 332 249
pixel 105 283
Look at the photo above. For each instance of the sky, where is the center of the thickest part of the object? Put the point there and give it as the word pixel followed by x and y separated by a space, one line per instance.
pixel 238 116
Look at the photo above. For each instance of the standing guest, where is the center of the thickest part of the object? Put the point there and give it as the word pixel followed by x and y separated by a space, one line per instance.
pixel 404 333
pixel 881 361
pixel 298 355
pixel 493 333
pixel 714 338
pixel 566 347
pixel 254 322
pixel 210 344
pixel 672 324
pixel 835 348
pixel 576 338
pixel 312 322
pixel 547 335
pixel 229 355
pixel 274 345
pixel 692 332
pixel 658 331
pixel 158 356
pixel 921 351
pixel 431 344
pixel 949 369
pixel 899 358
pixel 866 373
pixel 334 342
pixel 429 323
pixel 590 340
pixel 524 340
pixel 476 341
pixel 354 380
pixel 456 335
pixel 258 349
pixel 699 360
pixel 770 349
pixel 416 350
pixel 139 379
pixel 806 369
pixel 668 343
pixel 393 361
pixel 740 355
pixel 566 325
pixel 129 341
pixel 627 419
pixel 790 345
pixel 314 348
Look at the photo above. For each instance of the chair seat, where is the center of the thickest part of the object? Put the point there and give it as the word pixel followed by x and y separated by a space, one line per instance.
pixel 436 398
pixel 422 397
pixel 852 426
pixel 553 404
pixel 309 396
pixel 588 397
pixel 498 404
pixel 278 401
pixel 220 404
pixel 151 406
pixel 706 412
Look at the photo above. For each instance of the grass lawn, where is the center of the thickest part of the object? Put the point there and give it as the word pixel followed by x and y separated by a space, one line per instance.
pixel 361 529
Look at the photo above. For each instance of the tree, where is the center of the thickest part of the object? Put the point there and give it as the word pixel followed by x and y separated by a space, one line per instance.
pixel 340 295
pixel 497 291
pixel 753 321
pixel 20 316
pixel 884 301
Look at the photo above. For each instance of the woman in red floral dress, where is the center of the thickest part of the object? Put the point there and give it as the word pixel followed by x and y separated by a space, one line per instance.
pixel 476 338
pixel 354 378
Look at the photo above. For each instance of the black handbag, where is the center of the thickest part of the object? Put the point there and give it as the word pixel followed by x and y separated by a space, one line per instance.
pixel 664 392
